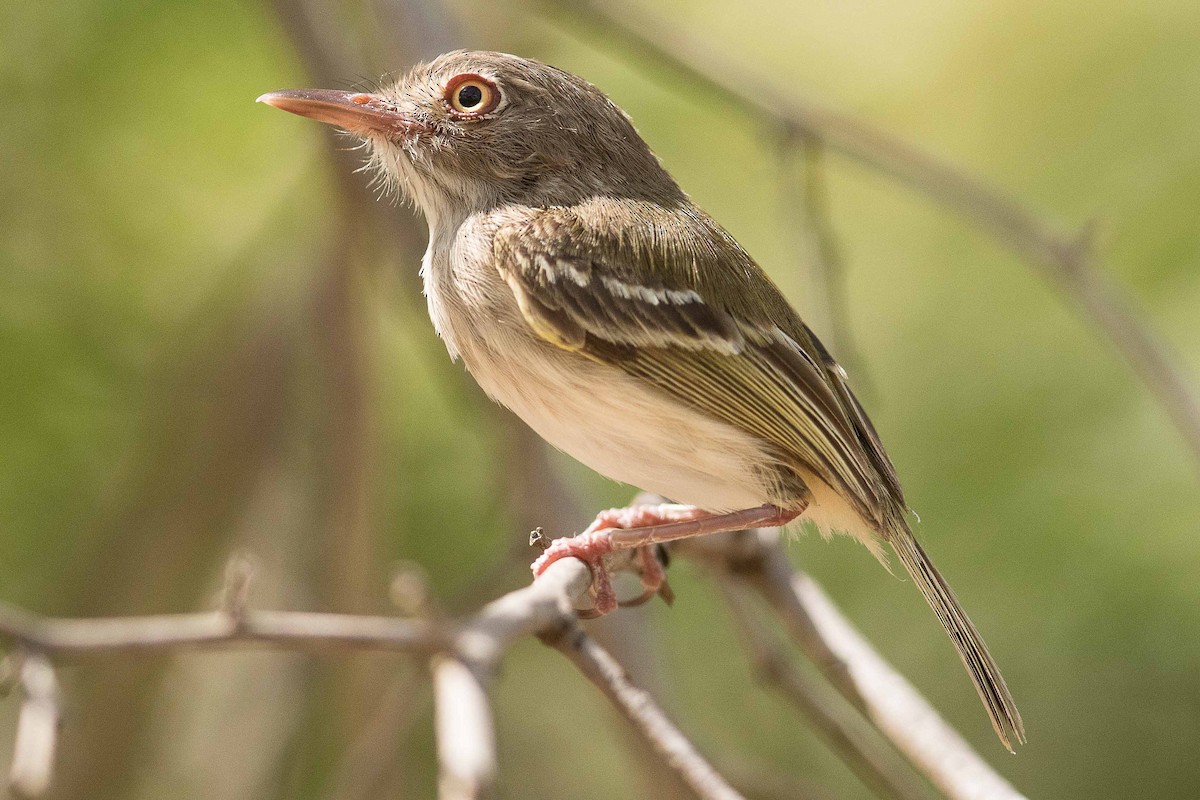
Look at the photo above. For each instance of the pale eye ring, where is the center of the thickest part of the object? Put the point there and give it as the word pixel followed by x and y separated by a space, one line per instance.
pixel 470 95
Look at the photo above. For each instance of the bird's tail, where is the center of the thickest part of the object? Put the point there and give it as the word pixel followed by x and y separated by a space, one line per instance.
pixel 971 649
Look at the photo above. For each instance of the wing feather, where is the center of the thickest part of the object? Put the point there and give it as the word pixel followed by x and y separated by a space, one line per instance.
pixel 751 364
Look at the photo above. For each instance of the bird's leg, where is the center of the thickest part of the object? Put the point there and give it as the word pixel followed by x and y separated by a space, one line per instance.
pixel 642 526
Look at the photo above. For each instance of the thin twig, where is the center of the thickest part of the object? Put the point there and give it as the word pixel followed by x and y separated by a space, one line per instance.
pixel 481 639
pixel 1065 258
pixel 377 755
pixel 806 196
pixel 841 726
pixel 641 711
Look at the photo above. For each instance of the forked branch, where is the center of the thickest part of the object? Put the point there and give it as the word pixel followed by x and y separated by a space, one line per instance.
pixel 756 559
pixel 464 656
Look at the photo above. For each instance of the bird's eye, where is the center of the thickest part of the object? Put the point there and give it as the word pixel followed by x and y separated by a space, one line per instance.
pixel 472 95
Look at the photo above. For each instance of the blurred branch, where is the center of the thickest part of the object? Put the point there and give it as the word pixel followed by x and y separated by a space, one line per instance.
pixel 757 559
pixel 339 44
pixel 37 727
pixel 294 630
pixel 641 711
pixel 806 196
pixel 328 59
pixel 373 765
pixel 843 730
pixel 465 734
pixel 1066 259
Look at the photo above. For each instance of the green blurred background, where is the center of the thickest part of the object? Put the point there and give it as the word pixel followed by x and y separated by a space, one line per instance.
pixel 210 342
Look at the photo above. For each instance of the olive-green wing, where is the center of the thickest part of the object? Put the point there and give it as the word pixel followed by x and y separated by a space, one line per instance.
pixel 680 318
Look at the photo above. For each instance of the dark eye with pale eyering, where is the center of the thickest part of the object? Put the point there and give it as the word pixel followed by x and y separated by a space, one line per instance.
pixel 471 95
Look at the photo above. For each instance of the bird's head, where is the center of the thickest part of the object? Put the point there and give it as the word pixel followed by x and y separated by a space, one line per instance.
pixel 472 130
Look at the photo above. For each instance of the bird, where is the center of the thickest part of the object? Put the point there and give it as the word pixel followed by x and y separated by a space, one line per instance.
pixel 583 289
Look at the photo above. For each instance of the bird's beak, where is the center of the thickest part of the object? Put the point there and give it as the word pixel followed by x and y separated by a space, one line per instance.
pixel 352 111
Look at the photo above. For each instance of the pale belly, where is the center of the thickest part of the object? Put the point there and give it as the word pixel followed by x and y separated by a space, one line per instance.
pixel 626 430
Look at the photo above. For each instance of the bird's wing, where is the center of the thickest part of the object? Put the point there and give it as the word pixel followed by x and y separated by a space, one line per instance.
pixel 695 317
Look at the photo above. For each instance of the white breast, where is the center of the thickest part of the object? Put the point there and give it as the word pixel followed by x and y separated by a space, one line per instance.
pixel 626 430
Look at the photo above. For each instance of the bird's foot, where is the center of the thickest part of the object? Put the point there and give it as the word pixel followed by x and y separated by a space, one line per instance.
pixel 640 528
pixel 590 547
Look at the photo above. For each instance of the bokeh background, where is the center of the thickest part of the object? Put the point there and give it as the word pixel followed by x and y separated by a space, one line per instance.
pixel 212 340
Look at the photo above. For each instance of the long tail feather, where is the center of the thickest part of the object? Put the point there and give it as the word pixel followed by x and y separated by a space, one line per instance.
pixel 971 649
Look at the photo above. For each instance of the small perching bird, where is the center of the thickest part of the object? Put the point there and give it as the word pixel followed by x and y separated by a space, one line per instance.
pixel 584 291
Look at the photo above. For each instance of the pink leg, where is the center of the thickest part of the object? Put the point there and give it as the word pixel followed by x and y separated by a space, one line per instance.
pixel 674 524
pixel 640 526
pixel 645 516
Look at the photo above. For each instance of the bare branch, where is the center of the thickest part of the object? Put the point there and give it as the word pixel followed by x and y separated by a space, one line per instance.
pixel 841 726
pixel 298 630
pixel 641 711
pixel 542 605
pixel 806 197
pixel 898 709
pixel 465 734
pixel 482 639
pixel 853 666
pixel 374 764
pixel 37 727
pixel 466 654
pixel 1064 258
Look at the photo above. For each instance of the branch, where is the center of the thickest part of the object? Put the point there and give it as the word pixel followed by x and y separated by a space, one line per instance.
pixel 296 630
pixel 37 727
pixel 465 734
pixel 1065 258
pixel 374 765
pixel 641 711
pixel 464 659
pixel 852 665
pixel 466 654
pixel 843 730
pixel 804 196
pixel 895 706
